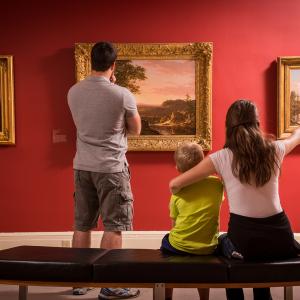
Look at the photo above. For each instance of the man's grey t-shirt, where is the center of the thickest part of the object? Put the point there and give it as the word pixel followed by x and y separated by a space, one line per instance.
pixel 99 109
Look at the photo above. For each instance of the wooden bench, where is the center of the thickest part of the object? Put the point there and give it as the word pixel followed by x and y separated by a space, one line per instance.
pixel 53 266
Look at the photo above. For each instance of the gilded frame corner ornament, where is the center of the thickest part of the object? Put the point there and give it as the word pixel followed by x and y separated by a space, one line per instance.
pixel 287 108
pixel 7 114
pixel 201 53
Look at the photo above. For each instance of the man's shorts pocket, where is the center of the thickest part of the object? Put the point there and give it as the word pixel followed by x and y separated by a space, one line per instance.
pixel 117 206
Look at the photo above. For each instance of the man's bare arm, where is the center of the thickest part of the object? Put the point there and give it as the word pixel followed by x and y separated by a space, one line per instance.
pixel 133 124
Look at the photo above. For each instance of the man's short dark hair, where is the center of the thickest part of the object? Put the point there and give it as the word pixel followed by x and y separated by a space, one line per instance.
pixel 103 56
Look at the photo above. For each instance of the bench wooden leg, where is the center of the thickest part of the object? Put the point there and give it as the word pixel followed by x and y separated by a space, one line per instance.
pixel 23 291
pixel 288 293
pixel 159 291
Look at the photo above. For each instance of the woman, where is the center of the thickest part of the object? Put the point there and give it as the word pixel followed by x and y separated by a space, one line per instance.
pixel 249 165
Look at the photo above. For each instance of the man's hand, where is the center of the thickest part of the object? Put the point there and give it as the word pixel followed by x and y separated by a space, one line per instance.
pixel 113 78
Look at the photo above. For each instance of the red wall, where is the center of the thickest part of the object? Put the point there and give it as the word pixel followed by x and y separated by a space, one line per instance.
pixel 36 175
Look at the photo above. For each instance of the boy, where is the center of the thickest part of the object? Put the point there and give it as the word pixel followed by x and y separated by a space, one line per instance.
pixel 194 212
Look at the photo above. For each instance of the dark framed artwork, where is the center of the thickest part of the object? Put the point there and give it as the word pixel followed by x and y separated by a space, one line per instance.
pixel 172 85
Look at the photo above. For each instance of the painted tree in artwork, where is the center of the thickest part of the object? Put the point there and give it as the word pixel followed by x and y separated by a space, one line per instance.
pixel 128 75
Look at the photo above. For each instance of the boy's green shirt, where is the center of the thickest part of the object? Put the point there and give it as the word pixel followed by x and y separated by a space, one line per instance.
pixel 195 209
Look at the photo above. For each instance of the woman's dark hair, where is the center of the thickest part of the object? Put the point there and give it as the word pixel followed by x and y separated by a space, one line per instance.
pixel 103 56
pixel 254 156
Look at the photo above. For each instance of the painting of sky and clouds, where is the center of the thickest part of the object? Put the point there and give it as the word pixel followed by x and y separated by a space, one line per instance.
pixel 165 93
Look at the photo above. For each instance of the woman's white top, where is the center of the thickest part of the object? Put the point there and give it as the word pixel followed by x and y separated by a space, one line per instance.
pixel 247 199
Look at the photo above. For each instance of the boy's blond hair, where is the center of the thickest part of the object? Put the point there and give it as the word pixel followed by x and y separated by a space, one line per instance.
pixel 187 155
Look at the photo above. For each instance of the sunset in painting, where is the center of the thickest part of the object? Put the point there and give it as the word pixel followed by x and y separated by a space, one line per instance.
pixel 165 93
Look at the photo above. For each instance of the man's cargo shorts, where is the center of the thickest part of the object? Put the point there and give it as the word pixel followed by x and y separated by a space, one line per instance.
pixel 104 195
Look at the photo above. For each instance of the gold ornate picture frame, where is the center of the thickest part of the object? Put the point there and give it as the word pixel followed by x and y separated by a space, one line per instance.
pixel 288 95
pixel 7 116
pixel 195 125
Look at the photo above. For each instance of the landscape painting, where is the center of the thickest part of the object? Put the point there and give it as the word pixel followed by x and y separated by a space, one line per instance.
pixel 165 93
pixel 295 96
pixel 172 86
pixel 288 95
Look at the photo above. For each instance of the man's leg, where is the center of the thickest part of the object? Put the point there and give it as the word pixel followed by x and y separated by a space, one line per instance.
pixel 86 210
pixel 111 240
pixel 81 239
pixel 116 214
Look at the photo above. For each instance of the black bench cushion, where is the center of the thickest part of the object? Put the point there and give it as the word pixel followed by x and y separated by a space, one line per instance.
pixel 48 263
pixel 145 265
pixel 279 271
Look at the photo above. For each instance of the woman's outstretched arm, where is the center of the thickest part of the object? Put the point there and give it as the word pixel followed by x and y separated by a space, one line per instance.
pixel 199 172
pixel 292 141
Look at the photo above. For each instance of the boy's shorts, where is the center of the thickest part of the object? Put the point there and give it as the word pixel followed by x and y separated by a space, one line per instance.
pixel 167 248
pixel 104 195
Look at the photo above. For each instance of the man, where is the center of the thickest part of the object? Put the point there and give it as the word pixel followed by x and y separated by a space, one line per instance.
pixel 103 113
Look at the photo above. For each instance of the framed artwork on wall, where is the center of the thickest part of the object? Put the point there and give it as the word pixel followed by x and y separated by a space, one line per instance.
pixel 288 95
pixel 172 85
pixel 7 116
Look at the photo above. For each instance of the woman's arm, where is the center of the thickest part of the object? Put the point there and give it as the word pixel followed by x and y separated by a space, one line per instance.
pixel 199 172
pixel 292 141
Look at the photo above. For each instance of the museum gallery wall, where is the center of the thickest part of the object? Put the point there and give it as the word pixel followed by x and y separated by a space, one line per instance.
pixel 36 173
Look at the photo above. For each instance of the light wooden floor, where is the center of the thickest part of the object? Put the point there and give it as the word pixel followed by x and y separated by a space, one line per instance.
pixel 8 292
